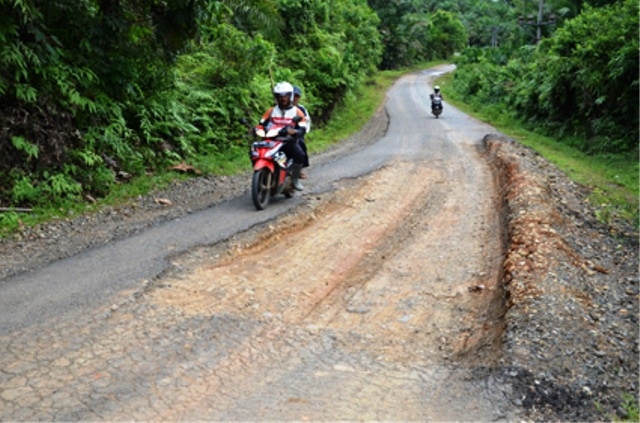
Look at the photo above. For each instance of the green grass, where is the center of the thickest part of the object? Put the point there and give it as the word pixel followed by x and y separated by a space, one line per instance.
pixel 629 404
pixel 613 179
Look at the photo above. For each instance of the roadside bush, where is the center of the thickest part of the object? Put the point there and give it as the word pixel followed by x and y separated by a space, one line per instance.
pixel 331 49
pixel 74 95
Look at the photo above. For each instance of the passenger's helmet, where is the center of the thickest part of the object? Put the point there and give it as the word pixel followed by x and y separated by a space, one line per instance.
pixel 436 89
pixel 297 90
pixel 283 89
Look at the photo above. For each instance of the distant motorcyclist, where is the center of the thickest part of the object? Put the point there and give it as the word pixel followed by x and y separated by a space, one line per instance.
pixel 435 94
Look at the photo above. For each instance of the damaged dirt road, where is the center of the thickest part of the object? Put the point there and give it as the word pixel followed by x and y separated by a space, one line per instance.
pixel 377 295
pixel 374 302
pixel 360 307
pixel 375 299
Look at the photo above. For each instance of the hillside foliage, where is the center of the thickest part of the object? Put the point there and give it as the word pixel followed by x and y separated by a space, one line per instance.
pixel 580 85
pixel 96 92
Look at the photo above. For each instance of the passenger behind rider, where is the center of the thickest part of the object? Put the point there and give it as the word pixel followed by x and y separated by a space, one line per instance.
pixel 297 94
pixel 282 114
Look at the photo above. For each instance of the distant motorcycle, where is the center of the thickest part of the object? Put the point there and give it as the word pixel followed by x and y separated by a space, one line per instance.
pixel 436 106
pixel 271 166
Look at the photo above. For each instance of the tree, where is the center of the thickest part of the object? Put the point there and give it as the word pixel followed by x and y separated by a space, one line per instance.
pixel 597 74
pixel 447 35
pixel 400 22
pixel 579 82
pixel 329 48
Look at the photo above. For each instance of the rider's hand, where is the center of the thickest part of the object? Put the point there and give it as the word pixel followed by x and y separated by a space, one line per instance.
pixel 291 131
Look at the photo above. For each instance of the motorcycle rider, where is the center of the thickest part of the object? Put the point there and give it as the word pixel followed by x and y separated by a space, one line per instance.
pixel 435 94
pixel 297 94
pixel 282 114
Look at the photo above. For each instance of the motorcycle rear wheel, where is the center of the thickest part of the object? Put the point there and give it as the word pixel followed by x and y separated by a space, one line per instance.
pixel 261 188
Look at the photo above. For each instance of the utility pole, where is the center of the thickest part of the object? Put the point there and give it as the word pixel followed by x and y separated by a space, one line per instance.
pixel 539 27
pixel 539 23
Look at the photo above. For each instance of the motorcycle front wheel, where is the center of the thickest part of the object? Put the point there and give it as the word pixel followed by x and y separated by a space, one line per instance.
pixel 261 188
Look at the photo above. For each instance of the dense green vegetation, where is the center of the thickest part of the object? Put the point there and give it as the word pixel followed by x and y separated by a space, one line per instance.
pixel 130 86
pixel 98 98
pixel 417 31
pixel 613 179
pixel 580 85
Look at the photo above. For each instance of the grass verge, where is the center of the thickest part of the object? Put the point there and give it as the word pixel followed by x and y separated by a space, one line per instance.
pixel 613 179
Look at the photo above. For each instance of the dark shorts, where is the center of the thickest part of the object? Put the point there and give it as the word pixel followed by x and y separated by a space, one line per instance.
pixel 294 151
pixel 306 155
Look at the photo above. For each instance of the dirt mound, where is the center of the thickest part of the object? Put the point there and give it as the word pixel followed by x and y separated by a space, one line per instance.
pixel 571 339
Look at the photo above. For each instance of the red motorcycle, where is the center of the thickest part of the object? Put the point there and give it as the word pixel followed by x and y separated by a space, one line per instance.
pixel 271 167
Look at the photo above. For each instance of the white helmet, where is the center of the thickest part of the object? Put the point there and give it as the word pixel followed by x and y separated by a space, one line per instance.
pixel 283 88
pixel 436 89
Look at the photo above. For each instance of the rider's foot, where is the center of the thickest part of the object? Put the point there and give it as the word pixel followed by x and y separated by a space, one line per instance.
pixel 296 168
pixel 297 185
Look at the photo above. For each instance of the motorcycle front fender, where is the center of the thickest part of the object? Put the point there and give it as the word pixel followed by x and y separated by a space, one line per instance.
pixel 262 163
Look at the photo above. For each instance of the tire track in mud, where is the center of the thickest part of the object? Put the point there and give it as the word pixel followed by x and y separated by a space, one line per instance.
pixel 320 253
